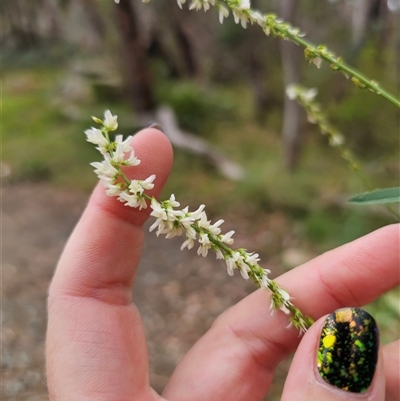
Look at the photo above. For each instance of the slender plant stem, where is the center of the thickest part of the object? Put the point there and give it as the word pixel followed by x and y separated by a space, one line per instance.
pixel 337 64
pixel 283 30
pixel 305 97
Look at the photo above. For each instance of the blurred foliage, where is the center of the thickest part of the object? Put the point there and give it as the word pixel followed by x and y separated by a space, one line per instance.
pixel 386 311
pixel 38 142
pixel 198 108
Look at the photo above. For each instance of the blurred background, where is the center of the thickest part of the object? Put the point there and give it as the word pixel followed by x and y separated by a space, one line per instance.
pixel 240 147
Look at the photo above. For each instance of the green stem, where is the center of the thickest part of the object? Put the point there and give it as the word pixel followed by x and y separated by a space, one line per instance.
pixel 359 79
pixel 313 110
pixel 284 30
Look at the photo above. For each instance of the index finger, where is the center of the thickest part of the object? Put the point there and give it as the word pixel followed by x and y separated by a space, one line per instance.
pixel 105 247
pixel 96 346
pixel 237 356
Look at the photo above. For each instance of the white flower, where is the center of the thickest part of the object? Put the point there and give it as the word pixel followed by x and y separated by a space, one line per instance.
pixel 267 30
pixel 294 31
pixel 310 94
pixel 141 203
pixel 186 222
pixel 241 265
pixel 138 186
pixel 119 154
pixel 243 5
pixel 281 300
pixel 122 147
pixel 241 17
pixel 284 309
pixel 205 244
pixel 135 187
pixel 110 122
pixel 226 238
pixel 95 136
pixel 291 92
pixel 148 182
pixel 317 61
pixel 336 140
pixel 264 283
pixel 311 119
pixel 130 199
pixel 175 231
pixel 205 224
pixel 230 264
pixel 192 216
pixel 257 18
pixel 165 215
pixel 252 259
pixel 240 12
pixel 218 253
pixel 244 271
pixel 189 243
pixel 158 212
pixel 104 169
pixel 180 2
pixel 132 160
pixel 285 296
pixel 198 4
pixel 112 189
pixel 223 13
pixel 172 202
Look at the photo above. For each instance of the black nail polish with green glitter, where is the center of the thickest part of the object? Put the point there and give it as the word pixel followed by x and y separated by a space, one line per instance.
pixel 348 349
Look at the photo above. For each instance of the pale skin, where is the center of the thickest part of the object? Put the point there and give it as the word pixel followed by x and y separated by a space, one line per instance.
pixel 96 345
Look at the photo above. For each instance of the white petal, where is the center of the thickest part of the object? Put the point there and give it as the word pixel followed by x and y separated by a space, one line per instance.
pixel 110 121
pixel 291 92
pixel 148 182
pixel 230 264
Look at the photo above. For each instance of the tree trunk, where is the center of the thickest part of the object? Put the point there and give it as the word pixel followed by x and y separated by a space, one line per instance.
pixel 183 41
pixel 257 72
pixel 138 78
pixel 95 19
pixel 291 112
pixel 359 23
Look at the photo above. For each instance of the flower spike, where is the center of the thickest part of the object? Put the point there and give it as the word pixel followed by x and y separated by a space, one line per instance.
pixel 173 221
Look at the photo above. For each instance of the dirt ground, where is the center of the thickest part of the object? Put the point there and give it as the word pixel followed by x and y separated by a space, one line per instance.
pixel 178 294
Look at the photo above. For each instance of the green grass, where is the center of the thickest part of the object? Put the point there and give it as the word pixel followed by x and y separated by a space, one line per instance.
pixel 39 141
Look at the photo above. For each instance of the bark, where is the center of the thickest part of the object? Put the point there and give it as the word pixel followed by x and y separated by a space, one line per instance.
pixel 257 72
pixel 291 113
pixel 138 78
pixel 20 19
pixel 95 18
pixel 158 49
pixel 359 21
pixel 183 41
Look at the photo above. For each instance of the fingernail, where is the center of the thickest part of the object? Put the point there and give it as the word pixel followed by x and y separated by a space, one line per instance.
pixel 156 126
pixel 348 349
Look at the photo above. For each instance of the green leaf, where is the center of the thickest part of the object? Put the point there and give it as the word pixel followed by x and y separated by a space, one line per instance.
pixel 379 196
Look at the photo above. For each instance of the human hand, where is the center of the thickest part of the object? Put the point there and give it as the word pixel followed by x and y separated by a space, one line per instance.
pixel 96 346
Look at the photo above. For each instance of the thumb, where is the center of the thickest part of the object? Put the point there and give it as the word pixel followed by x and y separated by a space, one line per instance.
pixel 338 359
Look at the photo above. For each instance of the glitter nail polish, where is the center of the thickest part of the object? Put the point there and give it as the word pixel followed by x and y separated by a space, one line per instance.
pixel 348 349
